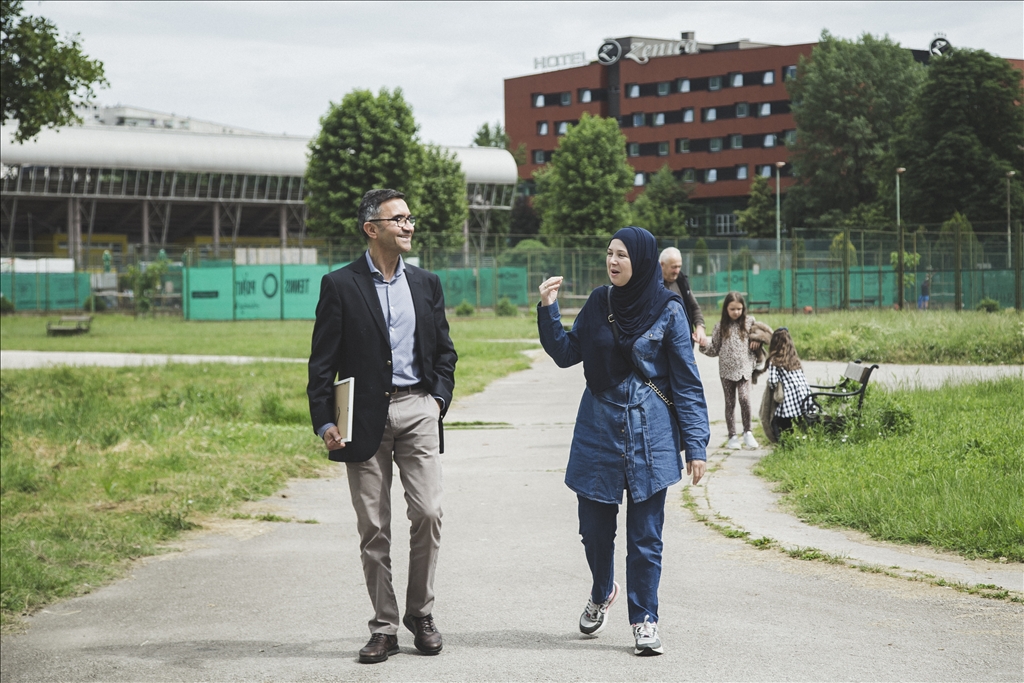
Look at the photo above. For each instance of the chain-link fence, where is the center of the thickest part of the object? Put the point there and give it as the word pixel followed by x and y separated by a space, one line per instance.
pixel 955 269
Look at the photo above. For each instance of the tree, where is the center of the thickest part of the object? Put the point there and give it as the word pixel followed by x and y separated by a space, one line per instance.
pixel 42 78
pixel 971 251
pixel 498 137
pixel 663 206
pixel 524 219
pixel 846 100
pixel 364 142
pixel 835 252
pixel 963 133
pixel 758 219
pixel 441 209
pixel 582 192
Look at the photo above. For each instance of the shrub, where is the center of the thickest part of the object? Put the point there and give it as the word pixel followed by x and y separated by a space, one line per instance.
pixel 6 305
pixel 101 303
pixel 988 305
pixel 506 308
pixel 465 309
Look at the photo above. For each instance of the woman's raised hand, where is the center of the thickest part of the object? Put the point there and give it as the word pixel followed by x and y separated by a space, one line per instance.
pixel 549 290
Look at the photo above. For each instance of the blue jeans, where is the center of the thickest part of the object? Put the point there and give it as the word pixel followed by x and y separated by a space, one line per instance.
pixel 644 523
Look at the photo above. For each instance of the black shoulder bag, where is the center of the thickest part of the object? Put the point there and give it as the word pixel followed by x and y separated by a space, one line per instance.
pixel 636 370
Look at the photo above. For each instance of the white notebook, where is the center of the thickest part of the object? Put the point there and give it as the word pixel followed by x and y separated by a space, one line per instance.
pixel 344 394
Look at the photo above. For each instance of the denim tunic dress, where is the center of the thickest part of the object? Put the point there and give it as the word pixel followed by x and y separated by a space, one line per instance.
pixel 626 436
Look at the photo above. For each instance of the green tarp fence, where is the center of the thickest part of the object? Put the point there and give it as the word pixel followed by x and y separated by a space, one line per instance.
pixel 869 287
pixel 45 291
pixel 279 292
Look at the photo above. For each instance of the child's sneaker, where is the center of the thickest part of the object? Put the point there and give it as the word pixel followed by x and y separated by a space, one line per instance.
pixel 647 642
pixel 593 620
pixel 734 443
pixel 748 440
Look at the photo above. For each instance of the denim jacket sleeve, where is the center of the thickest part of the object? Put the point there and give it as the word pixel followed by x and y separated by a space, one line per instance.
pixel 562 346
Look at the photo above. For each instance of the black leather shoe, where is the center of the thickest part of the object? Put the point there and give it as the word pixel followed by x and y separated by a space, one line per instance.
pixel 378 648
pixel 428 638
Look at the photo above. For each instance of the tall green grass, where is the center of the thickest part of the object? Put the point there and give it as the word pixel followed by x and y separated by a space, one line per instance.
pixel 883 336
pixel 942 467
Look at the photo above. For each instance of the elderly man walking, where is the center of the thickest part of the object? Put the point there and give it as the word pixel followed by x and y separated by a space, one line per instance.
pixel 671 270
pixel 382 322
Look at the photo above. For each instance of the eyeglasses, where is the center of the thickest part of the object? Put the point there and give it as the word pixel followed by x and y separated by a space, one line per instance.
pixel 400 221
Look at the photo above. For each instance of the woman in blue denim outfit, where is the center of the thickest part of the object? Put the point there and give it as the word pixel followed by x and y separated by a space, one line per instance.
pixel 629 429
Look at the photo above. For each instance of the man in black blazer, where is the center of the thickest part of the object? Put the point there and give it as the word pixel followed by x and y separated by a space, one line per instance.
pixel 382 322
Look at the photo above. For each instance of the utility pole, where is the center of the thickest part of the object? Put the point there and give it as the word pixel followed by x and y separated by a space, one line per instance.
pixel 899 243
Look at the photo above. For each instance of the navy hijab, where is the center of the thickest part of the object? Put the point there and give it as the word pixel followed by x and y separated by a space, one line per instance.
pixel 636 306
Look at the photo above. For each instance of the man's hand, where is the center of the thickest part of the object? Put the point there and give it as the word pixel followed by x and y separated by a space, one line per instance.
pixel 700 336
pixel 332 439
pixel 697 469
pixel 549 290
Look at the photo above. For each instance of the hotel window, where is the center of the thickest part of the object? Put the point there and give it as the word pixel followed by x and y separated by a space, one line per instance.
pixel 638 180
pixel 683 85
pixel 662 149
pixel 538 100
pixel 715 144
pixel 633 149
pixel 711 175
pixel 632 90
pixel 585 96
pixel 736 141
pixel 790 136
pixel 742 110
pixel 766 171
pixel 638 120
pixel 659 119
pixel 715 83
pixel 736 80
pixel 561 128
pixel 538 156
pixel 769 78
pixel 688 116
pixel 741 173
pixel 710 114
pixel 689 176
pixel 566 99
pixel 769 140
pixel 664 89
pixel 542 128
pixel 765 109
pixel 789 72
pixel 683 146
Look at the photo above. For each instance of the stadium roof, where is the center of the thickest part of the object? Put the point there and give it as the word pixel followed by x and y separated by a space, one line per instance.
pixel 124 147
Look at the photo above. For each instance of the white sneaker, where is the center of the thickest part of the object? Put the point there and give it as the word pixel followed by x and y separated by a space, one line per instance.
pixel 593 620
pixel 734 443
pixel 647 642
pixel 748 440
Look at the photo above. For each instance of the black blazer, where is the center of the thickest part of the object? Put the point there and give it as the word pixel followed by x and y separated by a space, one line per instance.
pixel 350 339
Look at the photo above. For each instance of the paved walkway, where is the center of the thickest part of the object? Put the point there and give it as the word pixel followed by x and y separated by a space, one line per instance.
pixel 276 601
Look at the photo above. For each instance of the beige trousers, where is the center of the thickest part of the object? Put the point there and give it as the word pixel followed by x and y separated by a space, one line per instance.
pixel 410 441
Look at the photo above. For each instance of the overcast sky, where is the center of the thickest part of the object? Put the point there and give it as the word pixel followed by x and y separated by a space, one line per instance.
pixel 276 66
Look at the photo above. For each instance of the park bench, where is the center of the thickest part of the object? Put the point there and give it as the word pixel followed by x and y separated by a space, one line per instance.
pixel 69 325
pixel 832 405
pixel 760 306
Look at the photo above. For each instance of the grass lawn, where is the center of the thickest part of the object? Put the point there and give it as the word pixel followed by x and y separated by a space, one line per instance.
pixel 102 465
pixel 926 337
pixel 943 467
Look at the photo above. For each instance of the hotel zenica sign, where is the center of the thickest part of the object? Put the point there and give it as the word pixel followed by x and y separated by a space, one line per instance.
pixel 642 50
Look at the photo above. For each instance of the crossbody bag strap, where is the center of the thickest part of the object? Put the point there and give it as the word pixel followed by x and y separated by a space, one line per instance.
pixel 636 370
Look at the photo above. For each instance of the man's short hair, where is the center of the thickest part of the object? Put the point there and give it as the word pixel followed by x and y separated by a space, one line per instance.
pixel 369 207
pixel 669 252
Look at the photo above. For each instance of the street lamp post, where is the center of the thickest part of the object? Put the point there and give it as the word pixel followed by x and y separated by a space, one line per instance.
pixel 1009 243
pixel 899 243
pixel 778 234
